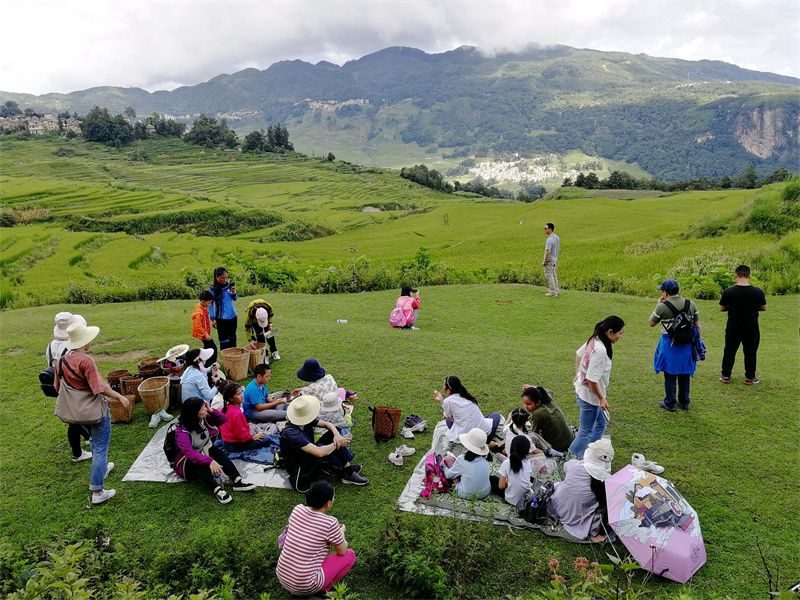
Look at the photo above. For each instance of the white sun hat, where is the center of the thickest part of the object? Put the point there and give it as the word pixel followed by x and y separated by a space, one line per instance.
pixel 475 441
pixel 80 334
pixel 597 459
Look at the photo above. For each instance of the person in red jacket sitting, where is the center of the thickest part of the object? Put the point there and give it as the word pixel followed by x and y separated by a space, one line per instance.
pixel 235 431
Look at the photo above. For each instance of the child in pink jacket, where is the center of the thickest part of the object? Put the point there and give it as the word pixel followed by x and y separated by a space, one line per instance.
pixel 406 309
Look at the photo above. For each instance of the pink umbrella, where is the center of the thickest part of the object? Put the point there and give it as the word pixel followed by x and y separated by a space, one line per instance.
pixel 656 524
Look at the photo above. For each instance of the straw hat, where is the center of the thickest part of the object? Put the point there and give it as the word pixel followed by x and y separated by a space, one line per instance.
pixel 310 371
pixel 302 410
pixel 262 316
pixel 597 459
pixel 80 334
pixel 176 351
pixel 475 441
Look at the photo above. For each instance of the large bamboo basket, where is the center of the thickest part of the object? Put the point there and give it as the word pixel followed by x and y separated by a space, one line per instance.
pixel 257 354
pixel 155 394
pixel 119 413
pixel 236 361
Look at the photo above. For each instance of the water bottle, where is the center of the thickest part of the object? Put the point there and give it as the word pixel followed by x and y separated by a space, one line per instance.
pixel 341 321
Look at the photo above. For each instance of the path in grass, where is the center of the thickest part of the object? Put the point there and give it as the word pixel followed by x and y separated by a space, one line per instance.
pixel 734 455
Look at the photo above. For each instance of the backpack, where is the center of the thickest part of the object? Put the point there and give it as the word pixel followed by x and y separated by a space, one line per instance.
pixel 533 505
pixel 397 318
pixel 434 480
pixel 681 328
pixel 47 381
pixel 170 446
pixel 385 422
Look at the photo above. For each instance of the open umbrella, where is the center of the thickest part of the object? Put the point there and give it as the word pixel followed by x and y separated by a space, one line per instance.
pixel 656 524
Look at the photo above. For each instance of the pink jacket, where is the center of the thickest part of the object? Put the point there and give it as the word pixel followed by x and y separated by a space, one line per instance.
pixel 409 305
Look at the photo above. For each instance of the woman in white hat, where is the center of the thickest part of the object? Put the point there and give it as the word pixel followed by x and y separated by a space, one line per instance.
pixel 579 502
pixel 55 350
pixel 472 467
pixel 78 370
pixel 304 458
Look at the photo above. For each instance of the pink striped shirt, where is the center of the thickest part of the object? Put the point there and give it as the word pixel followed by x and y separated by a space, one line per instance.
pixel 308 538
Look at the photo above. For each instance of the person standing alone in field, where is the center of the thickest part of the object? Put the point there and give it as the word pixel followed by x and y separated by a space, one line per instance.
pixel 742 302
pixel 551 248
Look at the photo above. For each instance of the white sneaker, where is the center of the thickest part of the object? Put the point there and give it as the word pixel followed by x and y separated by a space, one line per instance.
pixel 640 462
pixel 276 355
pixel 396 459
pixel 165 416
pixel 414 328
pixel 109 468
pixel 223 496
pixel 419 427
pixel 404 450
pixel 103 496
pixel 154 420
pixel 84 456
pixel 407 433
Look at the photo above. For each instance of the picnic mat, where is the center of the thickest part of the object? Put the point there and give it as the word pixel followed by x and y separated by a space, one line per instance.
pixel 491 510
pixel 152 465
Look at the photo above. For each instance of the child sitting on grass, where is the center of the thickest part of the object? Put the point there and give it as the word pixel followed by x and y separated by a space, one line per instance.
pixel 235 431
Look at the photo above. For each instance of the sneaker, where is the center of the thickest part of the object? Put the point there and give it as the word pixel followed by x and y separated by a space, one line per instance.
pixel 243 486
pixel 165 416
pixel 154 421
pixel 404 450
pixel 396 459
pixel 663 404
pixel 109 468
pixel 276 355
pixel 84 456
pixel 354 478
pixel 414 328
pixel 223 496
pixel 99 498
pixel 356 467
pixel 754 381
pixel 407 433
pixel 419 427
pixel 640 462
pixel 684 406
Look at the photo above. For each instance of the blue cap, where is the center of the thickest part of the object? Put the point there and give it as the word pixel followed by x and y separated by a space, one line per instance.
pixel 669 285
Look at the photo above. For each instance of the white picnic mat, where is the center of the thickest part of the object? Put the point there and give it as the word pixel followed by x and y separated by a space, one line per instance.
pixel 152 465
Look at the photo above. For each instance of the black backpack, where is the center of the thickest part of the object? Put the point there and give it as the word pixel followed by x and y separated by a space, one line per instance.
pixel 533 505
pixel 170 447
pixel 681 328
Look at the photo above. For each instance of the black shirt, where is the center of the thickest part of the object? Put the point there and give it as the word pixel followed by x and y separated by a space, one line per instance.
pixel 743 302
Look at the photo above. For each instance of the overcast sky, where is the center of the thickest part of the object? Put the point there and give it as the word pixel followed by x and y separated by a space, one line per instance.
pixel 71 45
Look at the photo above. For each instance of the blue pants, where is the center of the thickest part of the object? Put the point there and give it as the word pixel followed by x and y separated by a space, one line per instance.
pixel 682 383
pixel 101 439
pixel 592 427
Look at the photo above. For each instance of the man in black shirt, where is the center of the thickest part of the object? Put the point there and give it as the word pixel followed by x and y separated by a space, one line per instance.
pixel 742 302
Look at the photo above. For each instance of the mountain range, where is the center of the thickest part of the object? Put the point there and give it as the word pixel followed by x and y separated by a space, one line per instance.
pixel 675 119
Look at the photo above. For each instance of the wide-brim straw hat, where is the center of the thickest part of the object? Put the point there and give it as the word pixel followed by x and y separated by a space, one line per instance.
pixel 310 371
pixel 597 459
pixel 80 334
pixel 302 410
pixel 176 352
pixel 475 441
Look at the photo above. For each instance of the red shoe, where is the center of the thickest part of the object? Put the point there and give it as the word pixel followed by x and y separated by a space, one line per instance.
pixel 724 379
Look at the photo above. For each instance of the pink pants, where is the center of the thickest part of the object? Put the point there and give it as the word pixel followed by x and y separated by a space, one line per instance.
pixel 335 567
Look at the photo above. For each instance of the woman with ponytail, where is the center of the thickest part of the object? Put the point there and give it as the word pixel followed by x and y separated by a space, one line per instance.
pixel 515 472
pixel 461 411
pixel 592 374
pixel 546 419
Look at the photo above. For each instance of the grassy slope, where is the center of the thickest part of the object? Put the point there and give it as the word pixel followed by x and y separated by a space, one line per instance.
pixel 464 234
pixel 732 455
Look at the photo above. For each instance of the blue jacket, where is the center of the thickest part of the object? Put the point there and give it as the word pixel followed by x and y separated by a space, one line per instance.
pixel 194 384
pixel 222 307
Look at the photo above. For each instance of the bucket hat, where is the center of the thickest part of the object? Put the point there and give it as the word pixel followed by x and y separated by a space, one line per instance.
pixel 310 371
pixel 302 410
pixel 80 334
pixel 62 320
pixel 262 316
pixel 669 285
pixel 176 352
pixel 597 459
pixel 330 402
pixel 475 441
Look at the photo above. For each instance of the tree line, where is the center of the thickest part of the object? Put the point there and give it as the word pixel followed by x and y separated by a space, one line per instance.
pixel 433 179
pixel 619 180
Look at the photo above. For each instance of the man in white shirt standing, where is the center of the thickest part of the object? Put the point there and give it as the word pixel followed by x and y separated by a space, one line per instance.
pixel 551 247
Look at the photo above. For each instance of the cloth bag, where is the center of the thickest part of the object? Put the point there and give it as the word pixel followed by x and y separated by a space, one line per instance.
pixel 80 407
pixel 385 422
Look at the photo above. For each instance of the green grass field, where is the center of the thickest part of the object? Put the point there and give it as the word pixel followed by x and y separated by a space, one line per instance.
pixel 732 455
pixel 617 243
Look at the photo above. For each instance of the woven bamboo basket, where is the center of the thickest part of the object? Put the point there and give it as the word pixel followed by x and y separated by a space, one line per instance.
pixel 149 367
pixel 257 356
pixel 236 361
pixel 114 378
pixel 155 394
pixel 130 386
pixel 119 413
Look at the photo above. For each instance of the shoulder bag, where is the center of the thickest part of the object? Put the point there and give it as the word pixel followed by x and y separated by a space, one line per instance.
pixel 81 407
